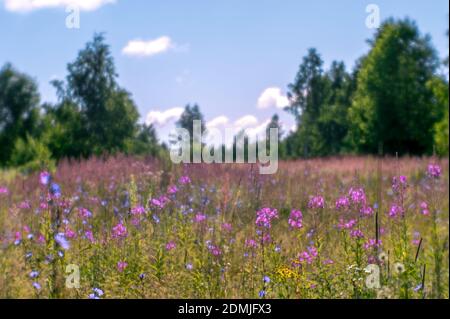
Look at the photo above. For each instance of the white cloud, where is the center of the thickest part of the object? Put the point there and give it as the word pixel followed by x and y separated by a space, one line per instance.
pixel 258 130
pixel 272 97
pixel 245 122
pixel 217 122
pixel 30 5
pixel 162 118
pixel 293 128
pixel 148 48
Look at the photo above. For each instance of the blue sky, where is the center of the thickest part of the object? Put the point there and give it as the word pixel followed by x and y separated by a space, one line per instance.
pixel 221 54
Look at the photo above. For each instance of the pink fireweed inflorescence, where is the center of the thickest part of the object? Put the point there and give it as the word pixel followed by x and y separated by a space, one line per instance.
pixel 3 191
pixel 89 235
pixel 296 219
pixel 25 205
pixel 399 184
pixel 434 170
pixel 84 213
pixel 43 205
pixel 199 218
pixel 44 178
pixel 119 231
pixel 395 211
pixel 185 180
pixel 356 200
pixel 342 203
pixel 372 243
pixel 251 243
pixel 347 225
pixel 170 245
pixel 159 202
pixel 214 250
pixel 69 233
pixel 357 196
pixel 416 239
pixel 121 266
pixel 265 216
pixel 309 255
pixel 316 202
pixel 424 209
pixel 172 190
pixel 138 210
pixel 367 211
pixel 356 233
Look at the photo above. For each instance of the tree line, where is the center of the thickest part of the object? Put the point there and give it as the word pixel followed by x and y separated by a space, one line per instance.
pixel 395 100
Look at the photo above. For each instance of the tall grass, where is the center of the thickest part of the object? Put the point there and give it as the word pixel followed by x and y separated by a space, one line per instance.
pixel 145 229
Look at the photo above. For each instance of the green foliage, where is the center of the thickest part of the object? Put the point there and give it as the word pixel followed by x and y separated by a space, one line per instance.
pixel 187 118
pixel 186 121
pixel 146 142
pixel 31 155
pixel 393 104
pixel 65 132
pixel 394 98
pixel 19 112
pixel 101 112
pixel 319 102
pixel 440 91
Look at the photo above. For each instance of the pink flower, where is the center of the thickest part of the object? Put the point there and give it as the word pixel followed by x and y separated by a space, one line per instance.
pixel 84 213
pixel 172 190
pixel 40 239
pixel 296 219
pixel 160 202
pixel 135 221
pixel 185 180
pixel 119 231
pixel 356 233
pixel 90 236
pixel 367 211
pixel 44 178
pixel 309 255
pixel 424 208
pixel 227 227
pixel 251 243
pixel 416 239
pixel 372 243
pixel 434 171
pixel 3 191
pixel 265 216
pixel 214 250
pixel 266 238
pixel 328 262
pixel 316 202
pixel 399 183
pixel 138 210
pixel 357 196
pixel 25 205
pixel 347 225
pixel 121 266
pixel 395 211
pixel 199 218
pixel 342 203
pixel 170 246
pixel 69 233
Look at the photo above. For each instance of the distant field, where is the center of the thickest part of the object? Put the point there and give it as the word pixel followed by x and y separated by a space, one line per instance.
pixel 138 229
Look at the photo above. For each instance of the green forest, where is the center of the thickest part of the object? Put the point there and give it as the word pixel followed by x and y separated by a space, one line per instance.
pixel 394 101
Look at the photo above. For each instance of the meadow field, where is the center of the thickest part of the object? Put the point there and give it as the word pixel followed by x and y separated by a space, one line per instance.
pixel 123 227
